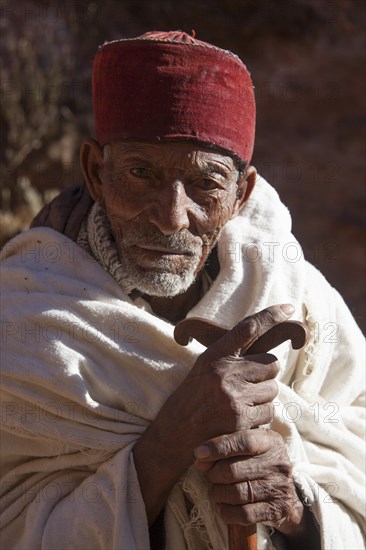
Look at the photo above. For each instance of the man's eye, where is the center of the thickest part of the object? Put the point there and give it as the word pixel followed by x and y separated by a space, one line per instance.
pixel 139 172
pixel 207 184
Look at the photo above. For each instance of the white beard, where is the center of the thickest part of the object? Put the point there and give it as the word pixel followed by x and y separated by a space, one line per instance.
pixel 164 276
pixel 158 283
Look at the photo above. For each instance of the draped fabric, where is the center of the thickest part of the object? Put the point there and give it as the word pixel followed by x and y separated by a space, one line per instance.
pixel 85 370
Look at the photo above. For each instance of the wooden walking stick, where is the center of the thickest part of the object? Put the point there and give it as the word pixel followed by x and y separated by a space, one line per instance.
pixel 242 537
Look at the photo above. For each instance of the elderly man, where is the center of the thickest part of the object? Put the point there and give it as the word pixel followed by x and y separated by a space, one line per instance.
pixel 114 435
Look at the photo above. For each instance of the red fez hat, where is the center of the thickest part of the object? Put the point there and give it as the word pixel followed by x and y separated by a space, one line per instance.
pixel 168 85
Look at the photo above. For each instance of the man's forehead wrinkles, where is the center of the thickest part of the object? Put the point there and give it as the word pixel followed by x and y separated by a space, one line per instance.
pixel 180 156
pixel 123 150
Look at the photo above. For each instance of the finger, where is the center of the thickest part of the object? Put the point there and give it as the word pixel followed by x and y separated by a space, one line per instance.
pixel 253 368
pixel 245 493
pixel 244 334
pixel 247 394
pixel 224 420
pixel 237 469
pixel 252 513
pixel 264 392
pixel 295 331
pixel 202 466
pixel 248 443
pixel 248 418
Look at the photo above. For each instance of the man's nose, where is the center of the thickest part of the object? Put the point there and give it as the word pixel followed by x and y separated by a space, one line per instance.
pixel 169 212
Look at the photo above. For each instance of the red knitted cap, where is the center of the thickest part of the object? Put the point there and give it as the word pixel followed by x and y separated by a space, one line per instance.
pixel 168 85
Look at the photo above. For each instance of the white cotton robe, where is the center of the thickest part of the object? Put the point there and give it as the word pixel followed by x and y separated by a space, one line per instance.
pixel 85 370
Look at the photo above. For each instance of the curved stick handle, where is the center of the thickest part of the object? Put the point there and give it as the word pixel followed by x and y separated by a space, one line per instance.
pixel 203 331
pixel 207 333
pixel 242 537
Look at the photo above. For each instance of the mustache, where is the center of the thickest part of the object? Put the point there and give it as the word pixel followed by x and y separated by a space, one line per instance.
pixel 184 240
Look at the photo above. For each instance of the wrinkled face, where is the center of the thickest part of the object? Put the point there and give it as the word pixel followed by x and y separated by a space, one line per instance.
pixel 167 203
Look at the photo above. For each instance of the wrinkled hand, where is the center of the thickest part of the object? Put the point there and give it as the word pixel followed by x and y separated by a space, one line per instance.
pixel 250 472
pixel 223 393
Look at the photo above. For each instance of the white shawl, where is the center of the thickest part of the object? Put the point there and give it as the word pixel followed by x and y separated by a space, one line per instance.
pixel 84 371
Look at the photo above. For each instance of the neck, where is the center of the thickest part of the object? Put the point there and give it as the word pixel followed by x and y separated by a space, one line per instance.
pixel 175 308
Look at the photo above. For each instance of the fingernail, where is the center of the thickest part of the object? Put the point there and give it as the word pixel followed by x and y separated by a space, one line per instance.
pixel 202 452
pixel 288 309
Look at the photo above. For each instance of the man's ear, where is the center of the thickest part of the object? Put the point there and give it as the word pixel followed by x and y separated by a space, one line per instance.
pixel 245 187
pixel 91 162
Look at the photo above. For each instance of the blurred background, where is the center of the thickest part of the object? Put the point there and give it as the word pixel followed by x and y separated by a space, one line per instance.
pixel 307 60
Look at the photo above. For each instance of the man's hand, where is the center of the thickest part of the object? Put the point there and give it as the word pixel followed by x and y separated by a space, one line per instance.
pixel 223 393
pixel 250 472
